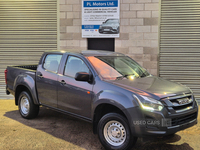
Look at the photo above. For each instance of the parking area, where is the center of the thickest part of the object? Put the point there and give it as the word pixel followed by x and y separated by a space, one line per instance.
pixel 55 131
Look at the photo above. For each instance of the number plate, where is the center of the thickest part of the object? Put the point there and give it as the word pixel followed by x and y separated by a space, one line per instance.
pixel 184 101
pixel 106 29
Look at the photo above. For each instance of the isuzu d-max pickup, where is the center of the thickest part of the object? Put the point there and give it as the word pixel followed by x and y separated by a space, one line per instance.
pixel 110 90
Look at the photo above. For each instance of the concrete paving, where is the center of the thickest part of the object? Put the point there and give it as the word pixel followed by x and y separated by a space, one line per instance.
pixel 55 131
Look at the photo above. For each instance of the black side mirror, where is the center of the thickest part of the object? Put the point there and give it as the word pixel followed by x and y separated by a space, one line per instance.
pixel 82 76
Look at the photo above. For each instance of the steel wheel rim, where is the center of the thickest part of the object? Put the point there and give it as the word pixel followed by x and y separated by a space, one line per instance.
pixel 114 133
pixel 25 106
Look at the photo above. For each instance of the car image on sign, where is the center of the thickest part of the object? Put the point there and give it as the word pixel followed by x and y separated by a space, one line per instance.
pixel 110 26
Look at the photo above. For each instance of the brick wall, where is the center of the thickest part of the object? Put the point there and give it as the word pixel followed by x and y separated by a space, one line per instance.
pixel 138 30
pixel 70 25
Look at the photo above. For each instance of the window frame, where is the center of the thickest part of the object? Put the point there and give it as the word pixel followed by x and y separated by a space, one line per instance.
pixel 63 73
pixel 58 62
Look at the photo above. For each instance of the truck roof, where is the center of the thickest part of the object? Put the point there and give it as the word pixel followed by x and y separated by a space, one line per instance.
pixel 87 52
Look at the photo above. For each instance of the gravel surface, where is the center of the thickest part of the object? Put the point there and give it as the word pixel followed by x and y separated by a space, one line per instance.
pixel 55 131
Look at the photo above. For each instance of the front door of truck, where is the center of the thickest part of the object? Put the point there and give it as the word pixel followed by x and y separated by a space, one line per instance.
pixel 47 80
pixel 74 96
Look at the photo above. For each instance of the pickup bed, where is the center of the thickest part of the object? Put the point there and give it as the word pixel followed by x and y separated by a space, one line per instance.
pixel 110 90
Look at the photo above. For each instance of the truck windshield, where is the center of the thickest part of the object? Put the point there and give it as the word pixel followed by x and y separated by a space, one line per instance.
pixel 117 67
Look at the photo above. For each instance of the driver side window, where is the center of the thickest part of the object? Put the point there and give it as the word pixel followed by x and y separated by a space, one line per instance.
pixel 74 65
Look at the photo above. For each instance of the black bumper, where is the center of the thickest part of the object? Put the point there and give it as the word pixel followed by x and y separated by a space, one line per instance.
pixel 158 124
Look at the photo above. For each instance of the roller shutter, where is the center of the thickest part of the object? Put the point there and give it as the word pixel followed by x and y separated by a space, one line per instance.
pixel 27 28
pixel 180 42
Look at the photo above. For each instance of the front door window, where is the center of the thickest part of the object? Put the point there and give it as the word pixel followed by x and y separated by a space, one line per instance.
pixel 74 65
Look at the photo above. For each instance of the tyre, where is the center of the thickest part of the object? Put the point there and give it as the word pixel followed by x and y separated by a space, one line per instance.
pixel 27 108
pixel 114 132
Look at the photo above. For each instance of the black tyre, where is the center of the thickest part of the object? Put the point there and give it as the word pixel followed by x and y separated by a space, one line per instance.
pixel 27 108
pixel 114 132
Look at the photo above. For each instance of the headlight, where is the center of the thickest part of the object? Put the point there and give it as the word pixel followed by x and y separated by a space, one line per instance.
pixel 115 27
pixel 100 27
pixel 149 104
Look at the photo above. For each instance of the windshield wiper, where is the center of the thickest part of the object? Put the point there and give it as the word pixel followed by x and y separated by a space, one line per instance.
pixel 144 74
pixel 123 76
pixel 120 77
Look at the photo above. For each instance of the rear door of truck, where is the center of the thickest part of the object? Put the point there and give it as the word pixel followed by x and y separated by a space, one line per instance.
pixel 46 79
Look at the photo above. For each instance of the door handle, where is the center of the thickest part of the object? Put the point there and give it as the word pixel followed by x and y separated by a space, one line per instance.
pixel 40 75
pixel 62 82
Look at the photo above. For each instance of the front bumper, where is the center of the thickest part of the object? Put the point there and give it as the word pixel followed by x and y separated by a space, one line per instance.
pixel 158 124
pixel 108 30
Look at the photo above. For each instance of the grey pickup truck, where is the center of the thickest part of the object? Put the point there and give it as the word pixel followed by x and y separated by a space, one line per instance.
pixel 110 90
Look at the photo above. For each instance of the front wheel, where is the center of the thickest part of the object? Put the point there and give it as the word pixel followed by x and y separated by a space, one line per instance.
pixel 114 132
pixel 27 108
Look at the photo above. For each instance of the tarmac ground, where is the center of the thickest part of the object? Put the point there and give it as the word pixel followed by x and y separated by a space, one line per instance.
pixel 55 131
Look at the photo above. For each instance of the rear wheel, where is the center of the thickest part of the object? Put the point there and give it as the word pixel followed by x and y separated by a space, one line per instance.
pixel 114 132
pixel 27 108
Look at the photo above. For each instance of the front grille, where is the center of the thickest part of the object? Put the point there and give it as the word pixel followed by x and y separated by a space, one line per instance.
pixel 179 103
pixel 107 27
pixel 183 107
pixel 184 119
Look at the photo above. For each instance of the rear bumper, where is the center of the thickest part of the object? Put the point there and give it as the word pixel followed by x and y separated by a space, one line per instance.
pixel 9 91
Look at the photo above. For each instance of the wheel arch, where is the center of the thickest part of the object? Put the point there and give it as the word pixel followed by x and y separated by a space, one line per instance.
pixel 103 109
pixel 21 88
pixel 25 83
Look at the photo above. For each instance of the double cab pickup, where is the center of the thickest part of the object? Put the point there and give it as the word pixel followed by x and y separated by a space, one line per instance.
pixel 110 90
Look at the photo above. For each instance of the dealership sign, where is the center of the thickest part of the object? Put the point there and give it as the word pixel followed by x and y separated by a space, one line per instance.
pixel 100 19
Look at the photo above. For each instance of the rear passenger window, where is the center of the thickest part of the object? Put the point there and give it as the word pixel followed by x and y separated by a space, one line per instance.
pixel 52 62
pixel 74 65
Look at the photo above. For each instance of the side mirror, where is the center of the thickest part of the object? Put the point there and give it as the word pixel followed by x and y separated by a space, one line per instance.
pixel 82 76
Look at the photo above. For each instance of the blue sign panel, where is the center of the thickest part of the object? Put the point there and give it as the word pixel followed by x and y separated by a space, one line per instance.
pixel 90 26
